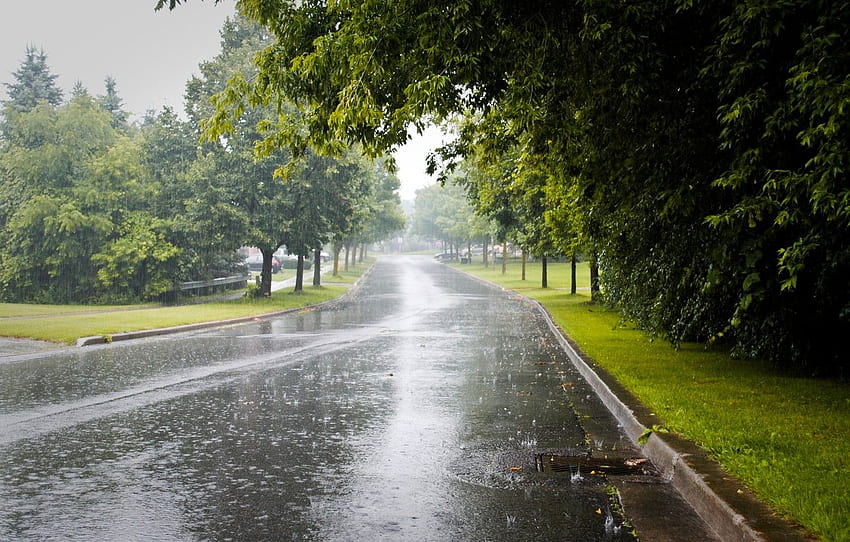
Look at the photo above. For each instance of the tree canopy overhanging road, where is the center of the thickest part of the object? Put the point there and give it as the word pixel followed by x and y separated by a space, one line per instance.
pixel 695 150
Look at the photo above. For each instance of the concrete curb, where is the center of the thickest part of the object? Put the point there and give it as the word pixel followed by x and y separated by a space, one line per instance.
pixel 727 507
pixel 140 334
pixel 128 335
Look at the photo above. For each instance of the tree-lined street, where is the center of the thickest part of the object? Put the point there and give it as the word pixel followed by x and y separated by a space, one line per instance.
pixel 689 157
pixel 412 411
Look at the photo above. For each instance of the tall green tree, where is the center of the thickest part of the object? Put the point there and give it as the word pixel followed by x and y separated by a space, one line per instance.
pixel 112 102
pixel 267 198
pixel 348 210
pixel 78 216
pixel 170 153
pixel 33 83
pixel 781 71
pixel 44 228
pixel 237 198
pixel 316 193
pixel 139 258
pixel 385 214
pixel 81 229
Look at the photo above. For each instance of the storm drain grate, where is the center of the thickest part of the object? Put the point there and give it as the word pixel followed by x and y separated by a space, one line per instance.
pixel 593 466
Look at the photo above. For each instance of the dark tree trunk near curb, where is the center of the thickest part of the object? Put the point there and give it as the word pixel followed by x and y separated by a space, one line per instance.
pixel 317 267
pixel 299 275
pixel 594 278
pixel 266 273
pixel 573 274
pixel 545 278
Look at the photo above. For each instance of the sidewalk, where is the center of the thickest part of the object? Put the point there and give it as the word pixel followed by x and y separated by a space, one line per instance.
pixel 308 278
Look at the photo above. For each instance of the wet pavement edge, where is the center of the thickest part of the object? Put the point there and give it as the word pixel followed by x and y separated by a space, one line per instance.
pixel 140 334
pixel 724 503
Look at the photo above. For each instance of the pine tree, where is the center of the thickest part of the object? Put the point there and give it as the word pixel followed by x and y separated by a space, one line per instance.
pixel 33 83
pixel 111 102
pixel 79 90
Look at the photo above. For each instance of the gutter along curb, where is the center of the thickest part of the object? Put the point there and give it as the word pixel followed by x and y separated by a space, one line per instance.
pixel 142 333
pixel 726 505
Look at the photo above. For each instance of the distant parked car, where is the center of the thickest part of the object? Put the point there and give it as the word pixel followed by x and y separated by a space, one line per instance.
pixel 240 268
pixel 445 256
pixel 255 263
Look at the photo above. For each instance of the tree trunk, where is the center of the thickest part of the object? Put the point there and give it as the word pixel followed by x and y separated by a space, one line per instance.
pixel 524 258
pixel 337 248
pixel 299 275
pixel 594 278
pixel 486 256
pixel 545 281
pixel 573 274
pixel 266 273
pixel 347 254
pixel 317 267
pixel 362 252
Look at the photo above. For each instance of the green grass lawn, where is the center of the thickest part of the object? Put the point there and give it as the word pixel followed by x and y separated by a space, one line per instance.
pixel 67 323
pixel 25 310
pixel 344 277
pixel 787 438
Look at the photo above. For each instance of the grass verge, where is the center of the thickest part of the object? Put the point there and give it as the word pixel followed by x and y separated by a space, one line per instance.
pixel 66 323
pixel 787 438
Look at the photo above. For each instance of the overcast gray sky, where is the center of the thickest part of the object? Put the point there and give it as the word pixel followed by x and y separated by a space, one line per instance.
pixel 150 54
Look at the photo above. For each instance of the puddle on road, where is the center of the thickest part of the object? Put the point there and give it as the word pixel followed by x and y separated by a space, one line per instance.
pixel 593 466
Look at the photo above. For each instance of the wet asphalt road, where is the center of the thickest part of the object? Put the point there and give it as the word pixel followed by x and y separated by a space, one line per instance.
pixel 413 410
